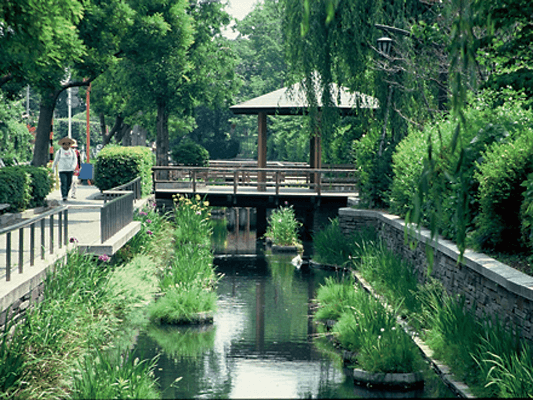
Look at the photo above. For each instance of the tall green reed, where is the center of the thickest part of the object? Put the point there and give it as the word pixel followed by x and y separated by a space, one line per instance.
pixel 283 227
pixel 12 357
pixel 114 374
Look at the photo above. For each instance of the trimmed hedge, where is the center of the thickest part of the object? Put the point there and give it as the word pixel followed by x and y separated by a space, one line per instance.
pixel 117 165
pixel 15 188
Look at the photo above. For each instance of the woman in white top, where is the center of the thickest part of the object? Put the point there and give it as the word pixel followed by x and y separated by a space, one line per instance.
pixel 65 161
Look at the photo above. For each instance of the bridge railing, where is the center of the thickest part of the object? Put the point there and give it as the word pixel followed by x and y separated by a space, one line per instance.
pixel 198 179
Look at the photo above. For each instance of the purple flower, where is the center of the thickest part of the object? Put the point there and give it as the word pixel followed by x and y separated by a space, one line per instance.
pixel 142 213
pixel 149 232
pixel 148 221
pixel 286 203
pixel 73 240
pixel 104 258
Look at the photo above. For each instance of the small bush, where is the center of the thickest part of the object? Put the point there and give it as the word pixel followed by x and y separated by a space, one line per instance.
pixel 374 172
pixel 283 227
pixel 191 154
pixel 501 175
pixel 526 212
pixel 40 185
pixel 117 165
pixel 15 188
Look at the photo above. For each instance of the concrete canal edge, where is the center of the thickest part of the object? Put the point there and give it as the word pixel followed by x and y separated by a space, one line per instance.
pixel 404 381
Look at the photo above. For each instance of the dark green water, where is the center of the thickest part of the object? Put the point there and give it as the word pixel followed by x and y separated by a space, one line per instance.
pixel 262 343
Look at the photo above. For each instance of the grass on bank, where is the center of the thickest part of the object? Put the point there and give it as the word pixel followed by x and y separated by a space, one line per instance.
pixel 485 353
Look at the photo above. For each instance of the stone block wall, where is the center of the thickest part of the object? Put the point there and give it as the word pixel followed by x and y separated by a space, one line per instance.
pixel 490 287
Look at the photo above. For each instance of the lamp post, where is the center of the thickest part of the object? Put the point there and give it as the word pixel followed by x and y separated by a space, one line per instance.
pixel 384 46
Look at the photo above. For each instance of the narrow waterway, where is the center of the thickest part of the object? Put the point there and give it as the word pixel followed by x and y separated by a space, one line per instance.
pixel 262 343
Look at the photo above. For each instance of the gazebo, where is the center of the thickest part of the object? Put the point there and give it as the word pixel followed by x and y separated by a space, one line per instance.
pixel 292 101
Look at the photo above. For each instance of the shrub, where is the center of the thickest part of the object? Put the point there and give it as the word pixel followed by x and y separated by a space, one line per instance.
pixel 373 171
pixel 117 165
pixel 15 188
pixel 485 126
pixel 40 185
pixel 500 178
pixel 190 153
pixel 526 212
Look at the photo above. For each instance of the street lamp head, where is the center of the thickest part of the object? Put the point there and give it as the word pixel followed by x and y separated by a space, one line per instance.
pixel 384 45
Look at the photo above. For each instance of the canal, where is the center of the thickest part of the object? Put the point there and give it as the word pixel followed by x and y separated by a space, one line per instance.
pixel 263 342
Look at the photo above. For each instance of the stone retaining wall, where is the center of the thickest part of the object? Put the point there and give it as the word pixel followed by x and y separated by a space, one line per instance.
pixel 489 286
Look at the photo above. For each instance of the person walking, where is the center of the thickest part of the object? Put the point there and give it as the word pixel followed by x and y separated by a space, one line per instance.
pixel 65 162
pixel 74 147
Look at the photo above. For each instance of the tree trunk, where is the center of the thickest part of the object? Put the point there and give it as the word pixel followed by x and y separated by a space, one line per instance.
pixel 162 142
pixel 41 152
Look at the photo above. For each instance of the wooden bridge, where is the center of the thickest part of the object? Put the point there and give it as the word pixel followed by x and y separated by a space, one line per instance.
pixel 241 184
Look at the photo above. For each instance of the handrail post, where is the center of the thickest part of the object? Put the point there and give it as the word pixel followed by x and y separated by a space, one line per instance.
pixel 52 234
pixel 319 182
pixel 32 244
pixel 8 256
pixel 235 180
pixel 21 250
pixel 193 181
pixel 277 182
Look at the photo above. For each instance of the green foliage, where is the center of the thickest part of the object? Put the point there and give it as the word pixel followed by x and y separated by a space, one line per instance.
pixel 15 188
pixel 40 186
pixel 283 227
pixel 526 212
pixel 373 171
pixel 14 135
pixel 331 246
pixel 500 178
pixel 111 374
pixel 335 298
pixel 190 153
pixel 444 190
pixel 12 357
pixel 117 165
pixel 365 327
pixel 187 283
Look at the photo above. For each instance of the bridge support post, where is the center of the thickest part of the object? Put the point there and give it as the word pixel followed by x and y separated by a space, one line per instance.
pixel 261 222
pixel 261 151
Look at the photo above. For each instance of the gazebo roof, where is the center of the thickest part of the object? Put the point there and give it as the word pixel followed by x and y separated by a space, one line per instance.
pixel 292 101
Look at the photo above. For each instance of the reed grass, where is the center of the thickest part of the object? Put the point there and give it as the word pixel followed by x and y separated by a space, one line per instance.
pixel 87 303
pixel 283 227
pixel 483 352
pixel 366 328
pixel 331 246
pixel 114 374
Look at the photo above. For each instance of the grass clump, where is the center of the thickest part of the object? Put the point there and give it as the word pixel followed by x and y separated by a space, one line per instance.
pixel 187 283
pixel 332 247
pixel 366 328
pixel 283 227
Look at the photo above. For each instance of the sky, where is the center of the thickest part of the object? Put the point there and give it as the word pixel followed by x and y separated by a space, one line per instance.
pixel 238 9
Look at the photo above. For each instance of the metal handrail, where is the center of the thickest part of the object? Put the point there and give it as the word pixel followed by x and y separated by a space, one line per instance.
pixel 116 214
pixel 62 224
pixel 133 186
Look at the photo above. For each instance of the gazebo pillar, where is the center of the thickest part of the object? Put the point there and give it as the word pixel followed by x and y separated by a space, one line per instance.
pixel 315 152
pixel 261 150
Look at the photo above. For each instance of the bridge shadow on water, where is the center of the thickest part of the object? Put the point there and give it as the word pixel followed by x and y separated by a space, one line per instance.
pixel 263 342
